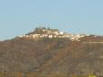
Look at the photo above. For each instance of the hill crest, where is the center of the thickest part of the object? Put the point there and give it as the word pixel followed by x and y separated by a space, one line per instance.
pixel 52 33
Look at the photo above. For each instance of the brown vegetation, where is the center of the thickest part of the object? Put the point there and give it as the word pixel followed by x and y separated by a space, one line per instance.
pixel 57 57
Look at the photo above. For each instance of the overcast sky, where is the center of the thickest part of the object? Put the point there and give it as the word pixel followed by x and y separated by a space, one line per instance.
pixel 75 16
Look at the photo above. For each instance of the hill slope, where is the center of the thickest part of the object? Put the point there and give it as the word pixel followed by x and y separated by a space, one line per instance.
pixel 52 54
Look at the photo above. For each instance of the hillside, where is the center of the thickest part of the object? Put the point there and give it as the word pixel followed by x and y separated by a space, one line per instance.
pixel 48 51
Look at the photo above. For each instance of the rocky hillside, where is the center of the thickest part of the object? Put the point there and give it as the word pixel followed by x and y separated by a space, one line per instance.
pixel 48 51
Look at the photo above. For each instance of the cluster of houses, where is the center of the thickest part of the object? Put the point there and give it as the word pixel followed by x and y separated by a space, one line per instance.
pixel 53 34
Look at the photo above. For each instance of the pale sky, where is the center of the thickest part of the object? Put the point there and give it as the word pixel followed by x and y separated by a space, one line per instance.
pixel 75 16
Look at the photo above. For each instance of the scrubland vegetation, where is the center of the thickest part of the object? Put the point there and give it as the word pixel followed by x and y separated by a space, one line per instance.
pixel 33 74
pixel 56 57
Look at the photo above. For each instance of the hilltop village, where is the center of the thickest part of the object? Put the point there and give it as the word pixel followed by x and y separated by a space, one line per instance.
pixel 52 33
